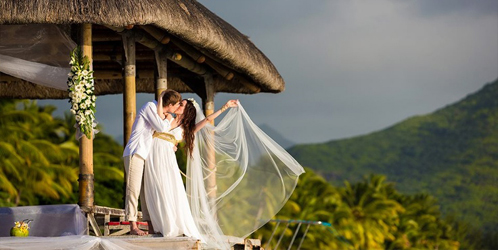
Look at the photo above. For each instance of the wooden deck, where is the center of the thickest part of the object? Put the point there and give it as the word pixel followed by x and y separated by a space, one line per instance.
pixel 108 223
pixel 159 242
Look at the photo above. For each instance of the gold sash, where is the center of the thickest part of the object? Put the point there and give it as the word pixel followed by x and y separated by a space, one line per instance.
pixel 165 136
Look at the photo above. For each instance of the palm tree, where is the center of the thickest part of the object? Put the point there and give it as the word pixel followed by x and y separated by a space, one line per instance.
pixel 313 200
pixel 32 161
pixel 368 217
pixel 422 225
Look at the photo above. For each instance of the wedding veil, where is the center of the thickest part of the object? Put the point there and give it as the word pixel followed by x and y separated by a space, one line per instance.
pixel 238 177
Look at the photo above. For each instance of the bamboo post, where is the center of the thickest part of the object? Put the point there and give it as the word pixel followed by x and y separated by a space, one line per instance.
pixel 162 71
pixel 86 185
pixel 129 92
pixel 208 105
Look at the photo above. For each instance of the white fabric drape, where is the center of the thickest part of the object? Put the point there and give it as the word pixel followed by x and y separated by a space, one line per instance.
pixel 254 177
pixel 37 53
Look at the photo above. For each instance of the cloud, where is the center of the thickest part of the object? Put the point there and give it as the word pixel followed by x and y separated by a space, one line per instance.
pixel 353 67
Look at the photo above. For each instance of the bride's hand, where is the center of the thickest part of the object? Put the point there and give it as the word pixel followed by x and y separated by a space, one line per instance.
pixel 232 103
pixel 175 148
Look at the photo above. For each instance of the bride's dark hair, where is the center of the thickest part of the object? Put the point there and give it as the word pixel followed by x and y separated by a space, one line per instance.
pixel 188 125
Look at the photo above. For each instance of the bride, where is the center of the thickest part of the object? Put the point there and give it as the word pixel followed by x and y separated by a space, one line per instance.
pixel 237 177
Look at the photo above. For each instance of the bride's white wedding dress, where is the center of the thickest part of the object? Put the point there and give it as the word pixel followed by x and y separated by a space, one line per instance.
pixel 253 178
pixel 164 191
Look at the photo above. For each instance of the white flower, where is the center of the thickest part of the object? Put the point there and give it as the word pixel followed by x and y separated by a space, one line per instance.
pixel 81 86
pixel 193 102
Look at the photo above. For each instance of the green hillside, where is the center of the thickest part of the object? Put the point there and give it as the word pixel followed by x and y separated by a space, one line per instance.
pixel 451 153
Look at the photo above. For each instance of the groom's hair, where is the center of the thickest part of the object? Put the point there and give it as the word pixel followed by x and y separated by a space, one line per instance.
pixel 171 97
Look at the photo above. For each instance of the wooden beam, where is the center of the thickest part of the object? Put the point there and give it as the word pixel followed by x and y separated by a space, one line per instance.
pixel 197 56
pixel 118 74
pixel 149 41
pixel 176 57
pixel 97 57
pixel 129 93
pixel 158 34
pixel 191 51
pixel 162 72
pixel 86 178
pixel 222 70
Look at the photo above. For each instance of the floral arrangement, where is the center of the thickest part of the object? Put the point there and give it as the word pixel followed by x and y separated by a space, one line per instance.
pixel 20 228
pixel 80 85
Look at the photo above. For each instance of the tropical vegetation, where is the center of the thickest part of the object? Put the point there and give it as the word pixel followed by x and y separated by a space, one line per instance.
pixel 370 214
pixel 39 165
pixel 451 154
pixel 39 158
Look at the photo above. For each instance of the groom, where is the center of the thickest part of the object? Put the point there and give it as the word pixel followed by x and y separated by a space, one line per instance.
pixel 137 150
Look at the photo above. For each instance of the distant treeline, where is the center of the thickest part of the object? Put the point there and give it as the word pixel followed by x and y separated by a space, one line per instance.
pixel 451 154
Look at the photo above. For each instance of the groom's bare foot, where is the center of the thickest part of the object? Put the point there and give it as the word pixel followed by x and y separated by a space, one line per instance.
pixel 137 231
pixel 134 230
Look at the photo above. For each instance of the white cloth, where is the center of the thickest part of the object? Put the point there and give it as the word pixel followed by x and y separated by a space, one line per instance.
pixel 37 53
pixel 164 191
pixel 146 122
pixel 47 220
pixel 254 179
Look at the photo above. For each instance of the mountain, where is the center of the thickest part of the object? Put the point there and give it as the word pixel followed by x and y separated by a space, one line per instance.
pixel 277 137
pixel 451 153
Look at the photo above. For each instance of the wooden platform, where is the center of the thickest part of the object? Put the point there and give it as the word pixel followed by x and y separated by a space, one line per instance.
pixel 108 223
pixel 159 242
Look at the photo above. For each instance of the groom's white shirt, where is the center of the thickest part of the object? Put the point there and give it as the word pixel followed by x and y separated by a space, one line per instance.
pixel 145 124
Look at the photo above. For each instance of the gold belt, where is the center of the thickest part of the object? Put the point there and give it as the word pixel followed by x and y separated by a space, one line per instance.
pixel 165 136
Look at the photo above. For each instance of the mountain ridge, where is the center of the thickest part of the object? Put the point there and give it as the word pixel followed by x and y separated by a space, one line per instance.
pixel 451 153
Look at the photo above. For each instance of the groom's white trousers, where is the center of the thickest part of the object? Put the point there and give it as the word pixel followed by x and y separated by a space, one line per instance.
pixel 134 167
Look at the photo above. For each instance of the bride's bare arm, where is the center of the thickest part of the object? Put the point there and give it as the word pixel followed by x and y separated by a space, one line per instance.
pixel 210 118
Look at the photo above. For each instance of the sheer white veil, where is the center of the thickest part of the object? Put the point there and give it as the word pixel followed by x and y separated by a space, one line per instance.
pixel 238 177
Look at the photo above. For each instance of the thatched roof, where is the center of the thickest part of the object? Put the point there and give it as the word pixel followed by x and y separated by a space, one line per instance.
pixel 190 25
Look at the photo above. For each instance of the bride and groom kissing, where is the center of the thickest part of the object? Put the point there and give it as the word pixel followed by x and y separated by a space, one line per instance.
pixel 247 166
pixel 152 171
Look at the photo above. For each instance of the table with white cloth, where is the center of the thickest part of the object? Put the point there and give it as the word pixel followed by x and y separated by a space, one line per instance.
pixel 48 220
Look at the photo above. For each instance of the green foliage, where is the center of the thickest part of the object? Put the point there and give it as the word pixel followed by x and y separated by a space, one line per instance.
pixel 39 158
pixel 370 214
pixel 451 154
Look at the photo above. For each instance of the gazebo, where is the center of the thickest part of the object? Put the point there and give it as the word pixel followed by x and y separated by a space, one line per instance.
pixel 141 46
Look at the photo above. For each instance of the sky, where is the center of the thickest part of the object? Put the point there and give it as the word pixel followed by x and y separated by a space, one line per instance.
pixel 352 67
